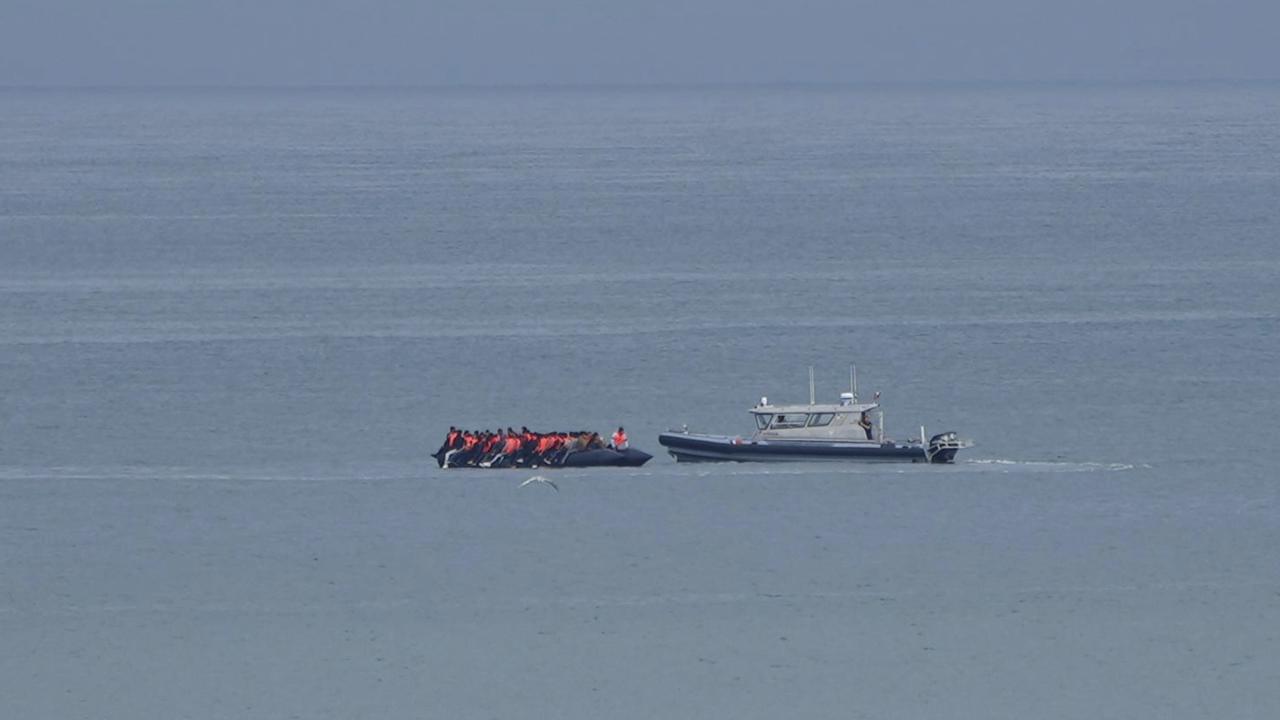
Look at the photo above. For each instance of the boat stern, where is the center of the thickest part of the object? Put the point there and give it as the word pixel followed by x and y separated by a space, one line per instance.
pixel 944 446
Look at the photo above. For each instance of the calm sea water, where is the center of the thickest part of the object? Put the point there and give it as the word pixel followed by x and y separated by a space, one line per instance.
pixel 233 324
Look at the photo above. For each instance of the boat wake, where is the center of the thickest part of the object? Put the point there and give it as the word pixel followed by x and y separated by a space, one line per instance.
pixel 998 465
pixel 975 466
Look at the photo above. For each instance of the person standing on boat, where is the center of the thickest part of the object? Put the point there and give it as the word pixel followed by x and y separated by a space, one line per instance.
pixel 865 423
pixel 620 439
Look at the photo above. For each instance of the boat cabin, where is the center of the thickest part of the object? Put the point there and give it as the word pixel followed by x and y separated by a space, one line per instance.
pixel 817 421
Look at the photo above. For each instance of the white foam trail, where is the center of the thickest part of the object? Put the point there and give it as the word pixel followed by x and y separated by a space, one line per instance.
pixel 1049 465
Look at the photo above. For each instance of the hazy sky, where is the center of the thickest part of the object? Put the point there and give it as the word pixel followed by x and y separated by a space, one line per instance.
pixel 268 42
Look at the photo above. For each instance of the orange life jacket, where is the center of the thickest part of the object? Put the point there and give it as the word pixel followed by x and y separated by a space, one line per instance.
pixel 619 439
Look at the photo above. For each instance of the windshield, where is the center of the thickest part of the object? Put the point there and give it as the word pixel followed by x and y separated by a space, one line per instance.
pixel 783 421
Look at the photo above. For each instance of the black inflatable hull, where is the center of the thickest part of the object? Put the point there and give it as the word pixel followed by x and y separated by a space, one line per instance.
pixel 607 458
pixel 602 457
pixel 687 447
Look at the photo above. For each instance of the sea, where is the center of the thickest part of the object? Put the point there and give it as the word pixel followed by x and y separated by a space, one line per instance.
pixel 234 324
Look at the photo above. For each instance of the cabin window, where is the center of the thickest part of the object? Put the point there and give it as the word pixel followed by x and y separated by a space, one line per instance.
pixel 821 419
pixel 762 421
pixel 783 421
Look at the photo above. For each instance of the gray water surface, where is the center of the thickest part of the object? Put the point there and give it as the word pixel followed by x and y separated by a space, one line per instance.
pixel 234 324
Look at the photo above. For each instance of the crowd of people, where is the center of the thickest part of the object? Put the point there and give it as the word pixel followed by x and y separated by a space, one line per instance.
pixel 523 448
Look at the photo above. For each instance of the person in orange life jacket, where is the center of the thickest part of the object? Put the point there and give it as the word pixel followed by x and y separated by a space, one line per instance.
pixel 487 442
pixel 450 440
pixel 499 443
pixel 504 451
pixel 558 442
pixel 542 453
pixel 447 445
pixel 491 448
pixel 510 442
pixel 458 456
pixel 544 444
pixel 620 439
pixel 568 444
pixel 490 444
pixel 466 443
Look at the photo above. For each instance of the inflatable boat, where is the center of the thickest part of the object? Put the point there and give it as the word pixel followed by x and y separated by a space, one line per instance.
pixel 592 457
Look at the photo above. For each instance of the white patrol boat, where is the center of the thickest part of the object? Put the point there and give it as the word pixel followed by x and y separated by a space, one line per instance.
pixel 848 431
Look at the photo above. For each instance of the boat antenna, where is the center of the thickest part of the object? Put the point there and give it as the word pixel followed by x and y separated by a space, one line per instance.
pixel 853 381
pixel 811 395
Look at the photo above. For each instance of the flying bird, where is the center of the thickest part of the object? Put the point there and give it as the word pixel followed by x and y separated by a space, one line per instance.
pixel 540 479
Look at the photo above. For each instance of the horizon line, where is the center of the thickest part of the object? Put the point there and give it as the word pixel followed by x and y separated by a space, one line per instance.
pixel 637 85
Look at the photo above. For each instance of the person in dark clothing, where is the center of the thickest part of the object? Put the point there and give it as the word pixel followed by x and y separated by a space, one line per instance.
pixel 865 423
pixel 452 441
pixel 463 453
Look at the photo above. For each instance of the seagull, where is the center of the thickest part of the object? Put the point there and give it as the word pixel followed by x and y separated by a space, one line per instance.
pixel 540 479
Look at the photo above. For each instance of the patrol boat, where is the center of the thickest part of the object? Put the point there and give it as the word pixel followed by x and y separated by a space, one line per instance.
pixel 849 431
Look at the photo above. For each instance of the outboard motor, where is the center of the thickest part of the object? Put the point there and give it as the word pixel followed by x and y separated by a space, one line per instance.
pixel 943 447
